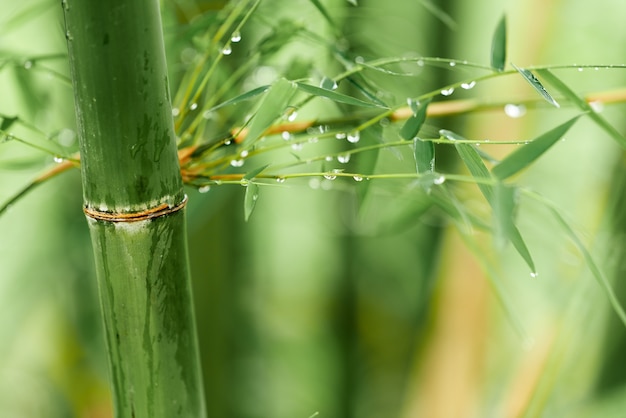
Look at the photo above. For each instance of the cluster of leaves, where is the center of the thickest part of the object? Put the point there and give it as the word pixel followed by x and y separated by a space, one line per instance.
pixel 262 142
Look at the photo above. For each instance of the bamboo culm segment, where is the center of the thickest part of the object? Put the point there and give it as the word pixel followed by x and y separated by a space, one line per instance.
pixel 147 308
pixel 132 186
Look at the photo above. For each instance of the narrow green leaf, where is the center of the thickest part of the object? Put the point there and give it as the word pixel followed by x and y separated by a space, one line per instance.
pixel 249 201
pixel 439 13
pixel 271 108
pixel 498 46
pixel 44 145
pixel 253 173
pixel 365 91
pixel 320 8
pixel 524 156
pixel 583 105
pixel 241 98
pixel 475 165
pixel 412 126
pixel 334 96
pixel 424 152
pixel 536 84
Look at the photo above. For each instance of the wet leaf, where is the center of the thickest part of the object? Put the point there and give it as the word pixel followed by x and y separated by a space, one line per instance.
pixel 271 109
pixel 241 98
pixel 525 155
pixel 334 96
pixel 503 213
pixel 424 152
pixel 498 46
pixel 249 201
pixel 583 105
pixel 536 84
pixel 253 173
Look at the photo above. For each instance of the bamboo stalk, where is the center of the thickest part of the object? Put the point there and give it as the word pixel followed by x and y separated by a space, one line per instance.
pixel 134 202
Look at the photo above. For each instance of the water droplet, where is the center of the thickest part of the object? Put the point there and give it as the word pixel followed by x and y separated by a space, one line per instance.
pixel 534 274
pixel 439 180
pixel 328 83
pixel 193 106
pixel 580 69
pixel 514 111
pixel 204 189
pixel 28 64
pixel 313 139
pixel 65 5
pixel 384 122
pixel 228 142
pixel 175 111
pixel 58 159
pixel 66 137
pixel 340 135
pixel 208 114
pixel 292 116
pixel 235 37
pixel 69 36
pixel 353 137
pixel 227 50
pixel 286 135
pixel 237 163
pixel 331 176
pixel 597 106
pixel 344 158
pixel 280 179
pixel 447 92
pixel 359 60
pixel 328 158
pixel 596 68
pixel 244 182
pixel 244 153
pixel 297 146
pixel 452 63
pixel 420 63
pixel 356 177
pixel 413 104
pixel 468 86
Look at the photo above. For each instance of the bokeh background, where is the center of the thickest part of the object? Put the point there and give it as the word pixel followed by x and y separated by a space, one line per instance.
pixel 321 304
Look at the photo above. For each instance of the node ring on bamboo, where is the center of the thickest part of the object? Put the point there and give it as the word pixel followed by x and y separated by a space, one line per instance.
pixel 143 215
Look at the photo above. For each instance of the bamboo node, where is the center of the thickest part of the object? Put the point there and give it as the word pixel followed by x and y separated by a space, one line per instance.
pixel 144 215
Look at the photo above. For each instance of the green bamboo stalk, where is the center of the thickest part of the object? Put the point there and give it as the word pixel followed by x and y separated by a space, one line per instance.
pixel 134 199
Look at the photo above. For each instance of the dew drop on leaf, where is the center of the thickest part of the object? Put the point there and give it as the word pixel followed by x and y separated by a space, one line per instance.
pixel 353 137
pixel 204 189
pixel 237 163
pixel 235 37
pixel 356 177
pixel 468 86
pixel 447 92
pixel 227 50
pixel 344 158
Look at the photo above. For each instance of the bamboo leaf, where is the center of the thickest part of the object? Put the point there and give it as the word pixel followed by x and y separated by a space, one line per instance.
pixel 424 152
pixel 249 201
pixel 583 105
pixel 439 13
pixel 7 122
pixel 253 173
pixel 320 8
pixel 241 98
pixel 412 126
pixel 498 46
pixel 536 84
pixel 334 96
pixel 364 90
pixel 524 156
pixel 270 109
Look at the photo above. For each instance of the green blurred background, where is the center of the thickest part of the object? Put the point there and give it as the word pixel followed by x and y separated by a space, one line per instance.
pixel 320 305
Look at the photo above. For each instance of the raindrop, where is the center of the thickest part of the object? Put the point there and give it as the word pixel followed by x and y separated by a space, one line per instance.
pixel 328 83
pixel 69 36
pixel 244 182
pixel 58 159
pixel 468 86
pixel 67 137
pixel 286 135
pixel 580 69
pixel 439 180
pixel 292 116
pixel 596 68
pixel 297 146
pixel 313 139
pixel 384 122
pixel 28 64
pixel 359 60
pixel 340 135
pixel 208 114
pixel 356 177
pixel 204 189
pixel 244 153
pixel 314 183
pixel 447 92
pixel 227 50
pixel 330 176
pixel 344 158
pixel 534 274
pixel 514 111
pixel 280 179
pixel 328 158
pixel 452 63
pixel 175 111
pixel 420 63
pixel 193 106
pixel 65 5
pixel 353 137
pixel 228 142
pixel 236 37
pixel 237 163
